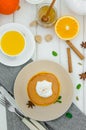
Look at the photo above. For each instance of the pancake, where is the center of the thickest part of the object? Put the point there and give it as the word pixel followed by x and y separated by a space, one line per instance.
pixel 35 97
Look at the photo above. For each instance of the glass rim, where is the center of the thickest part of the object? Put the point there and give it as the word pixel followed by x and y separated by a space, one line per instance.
pixel 42 23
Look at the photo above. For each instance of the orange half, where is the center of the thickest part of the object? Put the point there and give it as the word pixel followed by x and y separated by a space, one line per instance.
pixel 67 27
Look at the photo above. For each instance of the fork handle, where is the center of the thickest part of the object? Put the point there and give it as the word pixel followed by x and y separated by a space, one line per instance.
pixel 37 124
pixel 29 124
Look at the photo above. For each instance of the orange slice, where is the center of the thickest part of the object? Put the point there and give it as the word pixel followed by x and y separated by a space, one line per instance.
pixel 67 27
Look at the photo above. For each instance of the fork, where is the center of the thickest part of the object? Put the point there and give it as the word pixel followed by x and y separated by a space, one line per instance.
pixel 10 108
pixel 7 96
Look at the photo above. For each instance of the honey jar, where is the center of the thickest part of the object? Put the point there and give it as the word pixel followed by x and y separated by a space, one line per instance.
pixel 52 16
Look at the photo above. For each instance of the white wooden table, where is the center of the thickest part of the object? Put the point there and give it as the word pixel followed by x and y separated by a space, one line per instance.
pixel 25 15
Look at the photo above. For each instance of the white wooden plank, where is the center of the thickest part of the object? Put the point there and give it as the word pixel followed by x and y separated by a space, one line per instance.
pixel 84 69
pixel 76 68
pixel 25 15
pixel 4 19
pixel 44 50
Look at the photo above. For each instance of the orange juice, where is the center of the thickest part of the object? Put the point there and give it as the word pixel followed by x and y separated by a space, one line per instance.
pixel 12 43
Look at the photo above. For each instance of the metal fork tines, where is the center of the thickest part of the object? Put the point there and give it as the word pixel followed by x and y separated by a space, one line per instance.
pixel 2 101
pixel 5 103
pixel 32 124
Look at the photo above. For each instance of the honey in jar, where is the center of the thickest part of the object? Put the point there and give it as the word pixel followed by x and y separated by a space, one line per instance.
pixel 51 17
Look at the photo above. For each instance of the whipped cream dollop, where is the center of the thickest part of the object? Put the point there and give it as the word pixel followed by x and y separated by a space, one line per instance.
pixel 44 88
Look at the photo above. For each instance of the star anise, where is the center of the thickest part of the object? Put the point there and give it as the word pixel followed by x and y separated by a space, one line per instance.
pixel 83 76
pixel 83 44
pixel 30 104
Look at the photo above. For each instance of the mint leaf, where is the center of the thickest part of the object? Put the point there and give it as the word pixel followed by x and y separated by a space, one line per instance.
pixel 59 101
pixel 78 86
pixel 69 115
pixel 54 53
pixel 59 97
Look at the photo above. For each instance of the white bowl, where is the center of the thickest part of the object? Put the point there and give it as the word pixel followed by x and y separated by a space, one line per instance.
pixel 77 6
pixel 29 46
pixel 35 1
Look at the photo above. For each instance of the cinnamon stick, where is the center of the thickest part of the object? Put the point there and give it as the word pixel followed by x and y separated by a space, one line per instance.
pixel 75 49
pixel 69 60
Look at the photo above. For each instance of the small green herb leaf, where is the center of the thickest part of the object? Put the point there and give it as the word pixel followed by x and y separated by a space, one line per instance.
pixel 69 115
pixel 60 97
pixel 79 63
pixel 54 53
pixel 59 101
pixel 77 98
pixel 78 86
